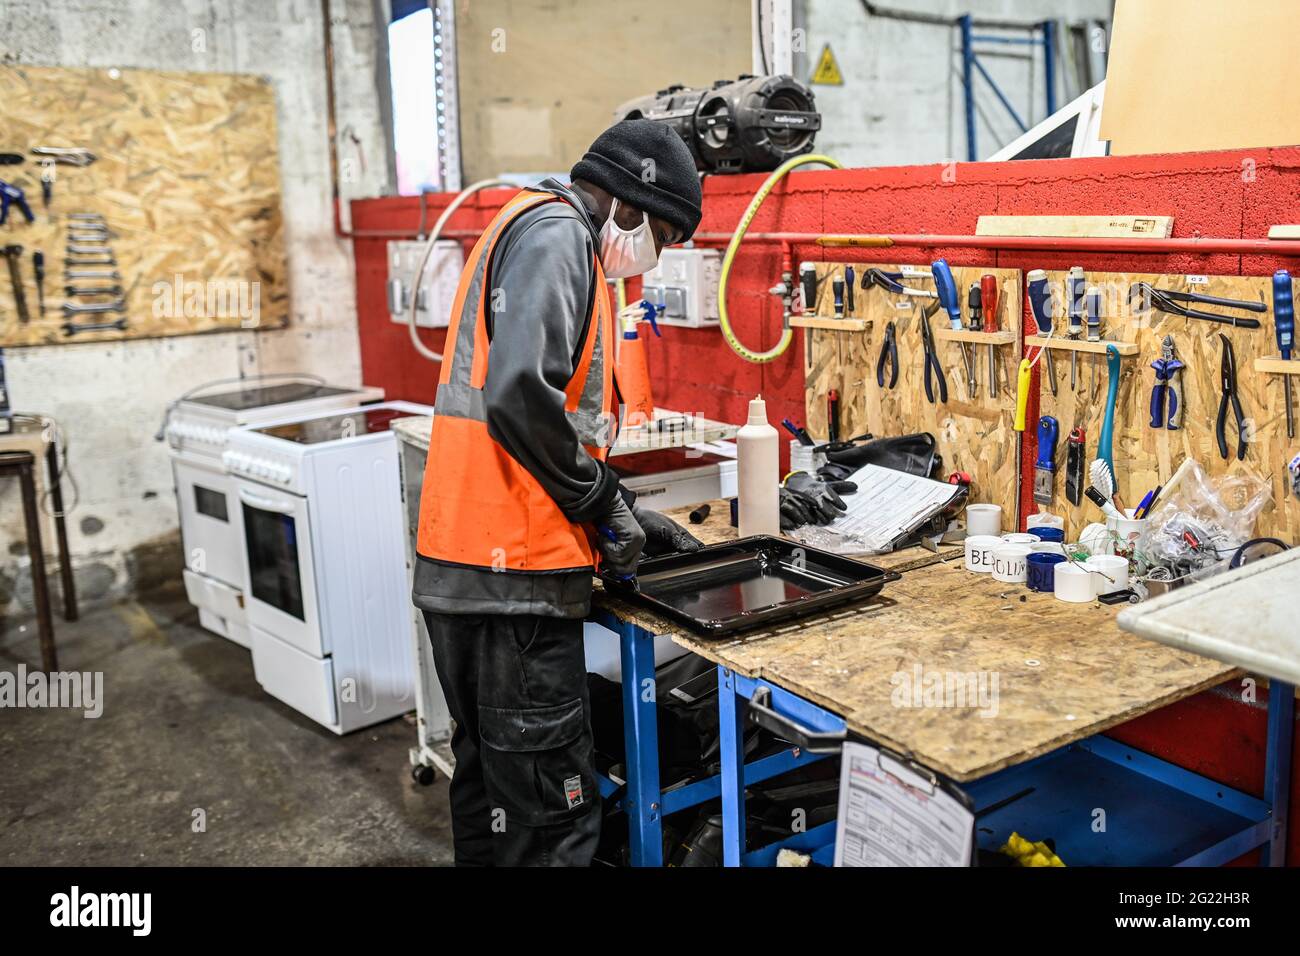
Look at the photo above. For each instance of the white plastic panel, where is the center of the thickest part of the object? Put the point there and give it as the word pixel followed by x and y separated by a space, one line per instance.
pixel 303 682
pixel 685 283
pixel 437 290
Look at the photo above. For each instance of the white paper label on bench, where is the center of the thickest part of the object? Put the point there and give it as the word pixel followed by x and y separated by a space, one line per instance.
pixel 889 815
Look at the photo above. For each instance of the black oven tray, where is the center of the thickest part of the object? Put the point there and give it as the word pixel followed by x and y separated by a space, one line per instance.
pixel 753 582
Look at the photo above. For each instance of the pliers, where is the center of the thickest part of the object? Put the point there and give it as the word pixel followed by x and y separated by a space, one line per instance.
pixel 888 357
pixel 1228 383
pixel 888 281
pixel 932 364
pixel 1167 300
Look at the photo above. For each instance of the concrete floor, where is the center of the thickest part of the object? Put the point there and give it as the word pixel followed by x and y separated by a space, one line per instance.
pixel 185 726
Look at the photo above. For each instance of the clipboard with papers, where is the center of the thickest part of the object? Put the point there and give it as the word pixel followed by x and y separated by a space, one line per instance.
pixel 891 509
pixel 894 812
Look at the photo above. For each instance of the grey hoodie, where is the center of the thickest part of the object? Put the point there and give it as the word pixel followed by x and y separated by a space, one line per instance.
pixel 542 277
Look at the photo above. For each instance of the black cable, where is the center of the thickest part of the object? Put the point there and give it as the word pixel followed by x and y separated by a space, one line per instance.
pixel 762 46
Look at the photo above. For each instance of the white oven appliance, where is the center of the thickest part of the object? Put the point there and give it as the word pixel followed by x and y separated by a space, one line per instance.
pixel 328 600
pixel 212 536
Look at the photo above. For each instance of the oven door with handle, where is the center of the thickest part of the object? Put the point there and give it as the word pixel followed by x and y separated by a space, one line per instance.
pixel 281 595
pixel 210 529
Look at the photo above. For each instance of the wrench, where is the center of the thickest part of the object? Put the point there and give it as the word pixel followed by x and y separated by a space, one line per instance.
pixel 76 291
pixel 91 274
pixel 78 308
pixel 77 249
pixel 89 261
pixel 72 328
pixel 12 253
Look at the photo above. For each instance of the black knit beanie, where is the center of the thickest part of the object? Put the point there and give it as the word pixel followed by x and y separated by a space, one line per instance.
pixel 645 164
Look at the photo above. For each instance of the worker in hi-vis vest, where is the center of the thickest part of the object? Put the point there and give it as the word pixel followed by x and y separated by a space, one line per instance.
pixel 518 506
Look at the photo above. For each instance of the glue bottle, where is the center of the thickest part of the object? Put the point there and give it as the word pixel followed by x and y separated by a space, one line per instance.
pixel 758 473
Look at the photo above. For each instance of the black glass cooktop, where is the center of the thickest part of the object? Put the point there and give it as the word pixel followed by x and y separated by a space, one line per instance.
pixel 261 396
pixel 315 431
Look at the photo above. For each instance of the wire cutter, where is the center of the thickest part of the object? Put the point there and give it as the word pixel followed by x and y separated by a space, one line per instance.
pixel 1166 403
pixel 888 357
pixel 1228 383
pixel 932 364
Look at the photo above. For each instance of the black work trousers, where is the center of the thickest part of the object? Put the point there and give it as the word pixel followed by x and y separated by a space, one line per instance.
pixel 524 791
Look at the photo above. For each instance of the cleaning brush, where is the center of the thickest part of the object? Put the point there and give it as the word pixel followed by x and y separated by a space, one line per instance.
pixel 1103 479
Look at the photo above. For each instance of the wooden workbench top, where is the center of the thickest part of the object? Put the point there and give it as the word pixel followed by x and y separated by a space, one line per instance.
pixel 1062 671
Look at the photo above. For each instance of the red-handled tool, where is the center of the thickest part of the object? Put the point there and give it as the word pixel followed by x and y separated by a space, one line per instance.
pixel 989 295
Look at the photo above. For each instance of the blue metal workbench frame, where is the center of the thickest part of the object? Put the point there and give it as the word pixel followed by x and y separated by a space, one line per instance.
pixel 640 797
pixel 1241 822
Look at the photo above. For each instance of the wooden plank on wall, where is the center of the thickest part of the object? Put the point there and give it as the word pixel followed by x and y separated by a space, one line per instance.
pixel 974 434
pixel 1102 227
pixel 188 179
pixel 1145 457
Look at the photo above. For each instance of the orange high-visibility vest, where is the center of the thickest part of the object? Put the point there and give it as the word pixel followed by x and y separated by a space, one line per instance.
pixel 478 505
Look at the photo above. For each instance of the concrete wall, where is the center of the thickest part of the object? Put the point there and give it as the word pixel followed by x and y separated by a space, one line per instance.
pixel 110 398
pixel 902 98
pixel 539 80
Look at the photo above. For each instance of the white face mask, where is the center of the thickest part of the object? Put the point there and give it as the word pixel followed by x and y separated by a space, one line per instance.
pixel 626 253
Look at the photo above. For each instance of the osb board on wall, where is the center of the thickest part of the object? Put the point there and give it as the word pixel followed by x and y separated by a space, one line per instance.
pixel 1145 457
pixel 974 434
pixel 187 177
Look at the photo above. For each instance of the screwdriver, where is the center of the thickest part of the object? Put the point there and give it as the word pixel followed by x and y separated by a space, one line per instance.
pixel 1092 309
pixel 808 280
pixel 1074 283
pixel 1040 301
pixel 974 309
pixel 989 293
pixel 848 289
pixel 38 267
pixel 1284 329
pixel 947 291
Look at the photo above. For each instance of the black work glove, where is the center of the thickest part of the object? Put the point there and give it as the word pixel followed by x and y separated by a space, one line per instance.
pixel 806 499
pixel 620 540
pixel 663 535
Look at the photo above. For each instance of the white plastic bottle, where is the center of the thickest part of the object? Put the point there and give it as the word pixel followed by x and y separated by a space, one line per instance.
pixel 758 473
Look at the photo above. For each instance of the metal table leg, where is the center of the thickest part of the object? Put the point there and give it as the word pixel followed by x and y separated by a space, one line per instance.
pixel 1277 767
pixel 21 465
pixel 641 745
pixel 731 714
pixel 61 535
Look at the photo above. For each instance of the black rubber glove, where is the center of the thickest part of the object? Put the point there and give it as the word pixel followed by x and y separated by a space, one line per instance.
pixel 624 550
pixel 806 499
pixel 663 535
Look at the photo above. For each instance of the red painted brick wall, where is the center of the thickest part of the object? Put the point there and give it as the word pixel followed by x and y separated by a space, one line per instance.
pixel 1223 194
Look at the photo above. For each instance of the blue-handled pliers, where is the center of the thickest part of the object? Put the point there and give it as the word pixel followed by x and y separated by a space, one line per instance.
pixel 933 367
pixel 9 193
pixel 888 358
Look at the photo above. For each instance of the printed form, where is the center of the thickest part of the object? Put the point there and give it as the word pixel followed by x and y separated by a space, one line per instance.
pixel 889 815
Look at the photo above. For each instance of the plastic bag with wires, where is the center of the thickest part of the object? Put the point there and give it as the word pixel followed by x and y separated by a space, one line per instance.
pixel 1200 523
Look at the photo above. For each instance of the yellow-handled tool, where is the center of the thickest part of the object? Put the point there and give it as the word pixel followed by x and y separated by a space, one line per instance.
pixel 1022 393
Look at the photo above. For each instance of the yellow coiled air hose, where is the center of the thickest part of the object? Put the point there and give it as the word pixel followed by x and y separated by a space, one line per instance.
pixel 724 321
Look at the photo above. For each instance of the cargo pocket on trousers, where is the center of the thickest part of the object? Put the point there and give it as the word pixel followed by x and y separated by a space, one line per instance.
pixel 537 762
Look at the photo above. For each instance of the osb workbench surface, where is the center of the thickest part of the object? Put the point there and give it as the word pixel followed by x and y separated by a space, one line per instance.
pixel 1063 671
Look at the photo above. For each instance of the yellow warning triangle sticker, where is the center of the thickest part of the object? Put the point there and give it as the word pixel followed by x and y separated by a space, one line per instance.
pixel 828 71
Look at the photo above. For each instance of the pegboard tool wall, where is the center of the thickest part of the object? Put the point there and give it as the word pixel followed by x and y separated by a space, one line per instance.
pixel 187 177
pixel 974 433
pixel 1144 456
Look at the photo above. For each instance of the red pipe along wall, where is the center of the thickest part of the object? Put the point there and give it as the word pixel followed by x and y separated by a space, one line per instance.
pixel 1223 194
